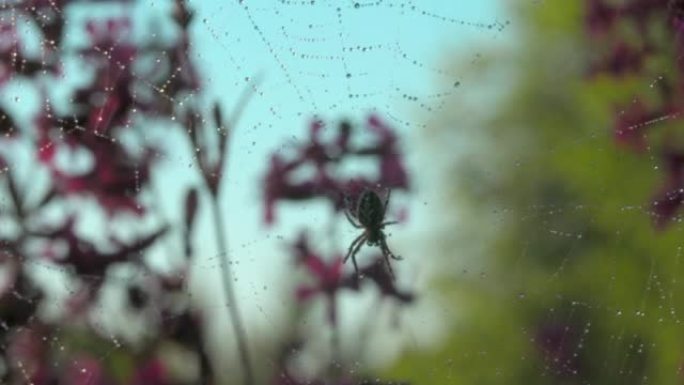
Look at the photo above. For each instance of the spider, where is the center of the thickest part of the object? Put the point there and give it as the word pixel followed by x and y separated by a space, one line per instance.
pixel 369 215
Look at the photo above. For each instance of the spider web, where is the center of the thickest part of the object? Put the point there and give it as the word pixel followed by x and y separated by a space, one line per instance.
pixel 300 58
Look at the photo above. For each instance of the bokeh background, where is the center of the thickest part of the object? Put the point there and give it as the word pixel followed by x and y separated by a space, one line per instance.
pixel 541 231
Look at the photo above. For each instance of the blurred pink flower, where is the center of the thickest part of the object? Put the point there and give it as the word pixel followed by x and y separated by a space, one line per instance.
pixel 378 273
pixel 115 179
pixel 28 355
pixel 86 370
pixel 86 259
pixel 558 344
pixel 151 372
pixel 622 59
pixel 671 195
pixel 631 125
pixel 328 276
pixel 325 158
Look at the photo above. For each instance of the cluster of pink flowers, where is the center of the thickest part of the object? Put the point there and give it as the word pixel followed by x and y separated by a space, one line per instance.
pixel 558 343
pixel 329 276
pixel 326 158
pixel 123 85
pixel 622 56
pixel 116 98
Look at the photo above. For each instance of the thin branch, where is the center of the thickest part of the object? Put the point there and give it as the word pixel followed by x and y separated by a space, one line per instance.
pixel 229 291
pixel 222 243
pixel 225 132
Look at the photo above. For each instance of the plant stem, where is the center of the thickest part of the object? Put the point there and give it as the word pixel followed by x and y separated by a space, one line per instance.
pixel 336 352
pixel 221 236
pixel 229 291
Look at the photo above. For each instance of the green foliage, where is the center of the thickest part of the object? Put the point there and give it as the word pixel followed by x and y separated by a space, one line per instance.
pixel 566 210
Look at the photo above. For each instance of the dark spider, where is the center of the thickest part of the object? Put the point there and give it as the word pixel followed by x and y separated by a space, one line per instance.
pixel 369 215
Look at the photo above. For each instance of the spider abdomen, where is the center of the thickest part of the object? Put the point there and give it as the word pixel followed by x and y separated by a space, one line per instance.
pixel 370 211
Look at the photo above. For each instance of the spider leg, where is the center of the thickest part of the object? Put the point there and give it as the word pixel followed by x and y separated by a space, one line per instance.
pixel 353 245
pixel 387 198
pixel 389 223
pixel 389 266
pixel 351 219
pixel 386 250
pixel 354 249
pixel 386 255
